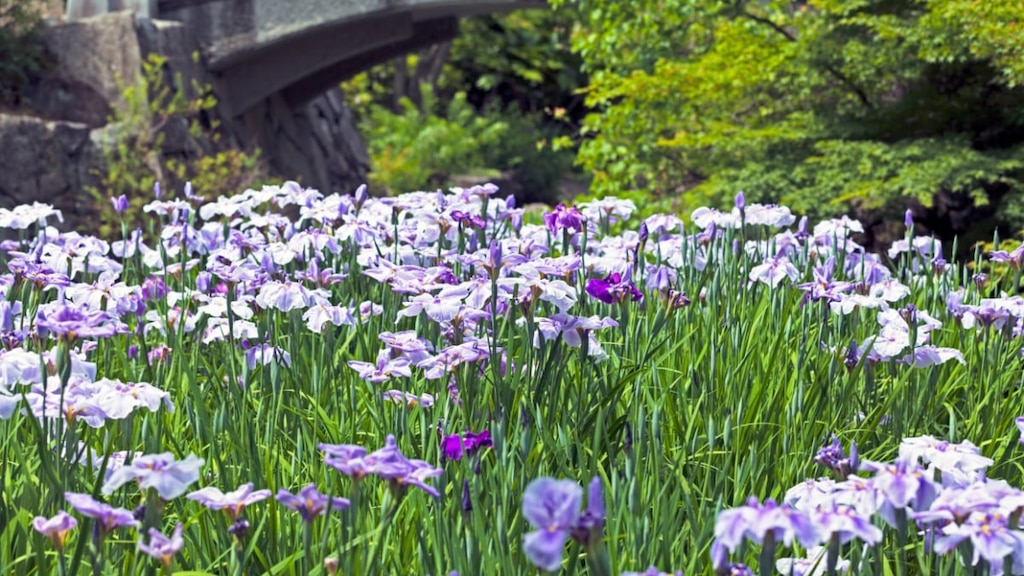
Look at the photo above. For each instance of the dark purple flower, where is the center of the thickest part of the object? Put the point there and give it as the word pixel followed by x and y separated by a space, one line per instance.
pixel 239 528
pixel 562 218
pixel 161 547
pixel 309 502
pixel 741 201
pixel 589 527
pixel 834 458
pixel 451 447
pixel 154 289
pixel 613 289
pixel 552 507
pixel 467 500
pixel 454 446
pixel 56 528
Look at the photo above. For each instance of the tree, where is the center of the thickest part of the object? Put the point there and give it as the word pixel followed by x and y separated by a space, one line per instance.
pixel 825 105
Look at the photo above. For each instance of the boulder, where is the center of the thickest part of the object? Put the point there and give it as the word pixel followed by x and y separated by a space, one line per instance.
pixel 47 161
pixel 94 59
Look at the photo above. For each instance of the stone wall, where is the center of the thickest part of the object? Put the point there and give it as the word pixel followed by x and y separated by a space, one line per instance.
pixel 53 152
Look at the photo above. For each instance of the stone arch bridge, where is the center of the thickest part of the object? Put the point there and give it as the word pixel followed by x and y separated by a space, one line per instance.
pixel 276 64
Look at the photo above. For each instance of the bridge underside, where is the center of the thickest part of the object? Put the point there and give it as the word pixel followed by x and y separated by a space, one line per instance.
pixel 300 49
pixel 303 67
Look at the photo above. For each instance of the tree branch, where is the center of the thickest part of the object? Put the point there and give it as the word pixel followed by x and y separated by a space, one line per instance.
pixel 857 91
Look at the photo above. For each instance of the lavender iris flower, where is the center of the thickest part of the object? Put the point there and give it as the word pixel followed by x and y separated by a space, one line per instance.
pixel 169 477
pixel 309 502
pixel 552 507
pixel 70 323
pixel 163 548
pixel 991 537
pixel 107 517
pixel 755 521
pixel 56 528
pixel 233 502
pixel 773 271
pixel 383 370
pixel 346 458
pixel 409 399
pixel 1014 258
pixel 120 203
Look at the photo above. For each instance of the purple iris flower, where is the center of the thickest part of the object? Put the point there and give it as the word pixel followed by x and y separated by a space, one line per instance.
pixel 107 517
pixel 773 271
pixel 1014 258
pixel 233 502
pixel 120 203
pixel 385 368
pixel 991 537
pixel 958 504
pixel 1019 421
pixel 169 477
pixel 70 323
pixel 834 458
pixel 390 464
pixel 846 523
pixel 163 548
pixel 589 527
pixel 309 502
pixel 346 458
pixel 755 521
pixel 562 218
pixel 409 399
pixel 552 507
pixel 454 446
pixel 56 528
pixel 467 220
pixel 902 484
pixel 613 288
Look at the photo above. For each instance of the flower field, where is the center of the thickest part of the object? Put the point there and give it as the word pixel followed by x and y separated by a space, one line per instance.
pixel 286 382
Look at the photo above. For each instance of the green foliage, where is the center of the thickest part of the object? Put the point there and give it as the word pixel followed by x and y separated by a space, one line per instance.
pixel 503 100
pixel 22 52
pixel 135 155
pixel 828 105
pixel 522 59
pixel 415 148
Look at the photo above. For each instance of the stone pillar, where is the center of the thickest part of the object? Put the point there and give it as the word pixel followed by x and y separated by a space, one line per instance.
pixel 317 143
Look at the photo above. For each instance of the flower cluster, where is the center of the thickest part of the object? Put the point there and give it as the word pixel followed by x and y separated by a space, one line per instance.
pixel 939 486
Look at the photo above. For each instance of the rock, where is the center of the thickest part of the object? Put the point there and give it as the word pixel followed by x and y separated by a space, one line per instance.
pixel 94 59
pixel 317 143
pixel 46 161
